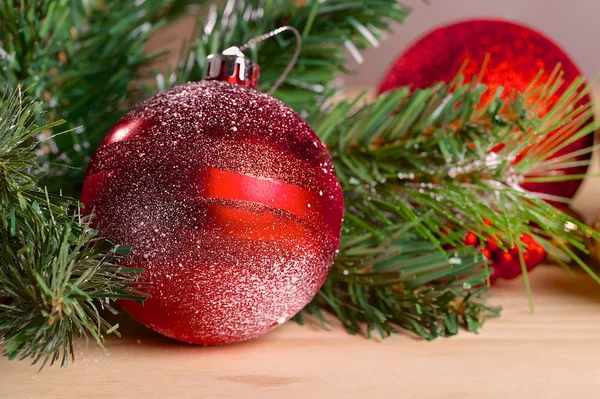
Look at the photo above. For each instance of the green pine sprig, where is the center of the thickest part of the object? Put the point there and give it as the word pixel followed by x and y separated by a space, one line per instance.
pixel 55 271
pixel 440 158
pixel 421 168
pixel 403 283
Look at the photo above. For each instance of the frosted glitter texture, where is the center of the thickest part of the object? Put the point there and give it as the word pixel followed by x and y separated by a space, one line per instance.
pixel 230 203
pixel 517 55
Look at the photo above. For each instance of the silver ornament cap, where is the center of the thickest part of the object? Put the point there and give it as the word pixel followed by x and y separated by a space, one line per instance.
pixel 234 67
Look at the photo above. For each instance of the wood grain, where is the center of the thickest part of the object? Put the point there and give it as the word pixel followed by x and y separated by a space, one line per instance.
pixel 554 353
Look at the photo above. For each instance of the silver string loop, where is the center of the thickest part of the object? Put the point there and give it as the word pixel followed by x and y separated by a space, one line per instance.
pixel 253 42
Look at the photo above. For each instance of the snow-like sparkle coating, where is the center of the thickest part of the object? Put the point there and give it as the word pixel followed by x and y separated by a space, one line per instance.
pixel 230 203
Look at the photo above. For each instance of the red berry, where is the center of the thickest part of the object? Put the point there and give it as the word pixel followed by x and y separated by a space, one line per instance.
pixel 486 252
pixel 471 239
pixel 491 244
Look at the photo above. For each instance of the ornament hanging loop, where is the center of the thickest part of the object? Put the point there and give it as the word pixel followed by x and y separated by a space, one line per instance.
pixel 253 42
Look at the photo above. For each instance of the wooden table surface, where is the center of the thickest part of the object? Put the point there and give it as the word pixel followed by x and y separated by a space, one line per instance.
pixel 552 353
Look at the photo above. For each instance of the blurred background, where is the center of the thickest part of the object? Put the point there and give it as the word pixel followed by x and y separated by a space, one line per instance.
pixel 572 24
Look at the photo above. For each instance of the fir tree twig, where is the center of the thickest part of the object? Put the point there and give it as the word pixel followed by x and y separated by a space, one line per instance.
pixel 54 269
pixel 420 169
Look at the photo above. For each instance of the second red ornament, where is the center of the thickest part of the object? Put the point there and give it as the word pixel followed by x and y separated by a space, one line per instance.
pixel 517 55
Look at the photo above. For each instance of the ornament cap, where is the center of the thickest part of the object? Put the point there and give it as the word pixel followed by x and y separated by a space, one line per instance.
pixel 234 67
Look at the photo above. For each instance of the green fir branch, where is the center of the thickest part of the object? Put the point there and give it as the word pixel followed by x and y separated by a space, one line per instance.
pixel 420 169
pixel 55 271
pixel 84 56
pixel 439 157
pixel 404 282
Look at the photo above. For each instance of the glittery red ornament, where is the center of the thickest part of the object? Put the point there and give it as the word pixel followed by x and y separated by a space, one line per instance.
pixel 230 203
pixel 517 55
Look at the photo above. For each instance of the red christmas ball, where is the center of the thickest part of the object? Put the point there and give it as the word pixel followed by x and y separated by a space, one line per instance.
pixel 230 203
pixel 517 55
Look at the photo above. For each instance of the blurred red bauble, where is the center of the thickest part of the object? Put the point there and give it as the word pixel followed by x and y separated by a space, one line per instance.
pixel 230 203
pixel 517 55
